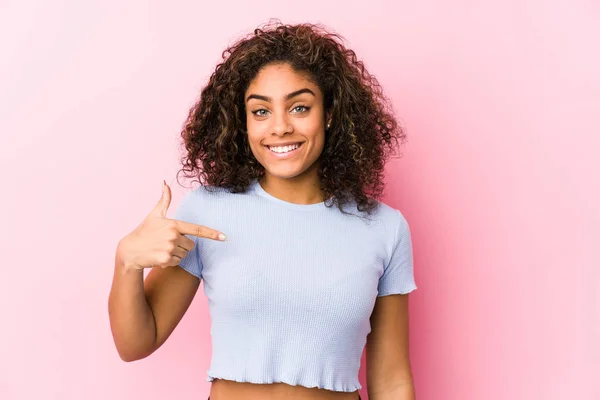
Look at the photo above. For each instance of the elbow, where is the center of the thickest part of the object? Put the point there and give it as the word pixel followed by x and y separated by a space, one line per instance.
pixel 131 347
pixel 132 355
pixel 129 351
pixel 127 357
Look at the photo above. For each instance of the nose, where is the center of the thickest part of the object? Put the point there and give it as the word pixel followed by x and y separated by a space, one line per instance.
pixel 281 125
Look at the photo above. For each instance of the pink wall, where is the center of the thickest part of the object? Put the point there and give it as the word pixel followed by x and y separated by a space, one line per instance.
pixel 499 181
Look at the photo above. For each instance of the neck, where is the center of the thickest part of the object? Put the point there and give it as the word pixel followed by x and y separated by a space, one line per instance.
pixel 303 189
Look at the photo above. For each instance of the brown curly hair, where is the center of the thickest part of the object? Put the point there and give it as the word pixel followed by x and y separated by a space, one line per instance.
pixel 363 133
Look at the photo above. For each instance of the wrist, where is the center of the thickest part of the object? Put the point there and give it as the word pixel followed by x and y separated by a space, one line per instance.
pixel 123 264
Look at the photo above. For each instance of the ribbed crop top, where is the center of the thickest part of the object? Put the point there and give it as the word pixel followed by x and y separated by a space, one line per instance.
pixel 291 290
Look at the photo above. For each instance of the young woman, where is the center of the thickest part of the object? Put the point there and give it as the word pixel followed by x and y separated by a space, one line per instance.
pixel 302 266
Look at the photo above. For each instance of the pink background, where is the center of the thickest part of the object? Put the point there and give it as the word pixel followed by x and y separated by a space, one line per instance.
pixel 499 181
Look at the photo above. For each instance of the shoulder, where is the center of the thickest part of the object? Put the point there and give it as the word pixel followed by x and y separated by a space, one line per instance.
pixel 200 197
pixel 387 214
pixel 207 193
pixel 394 222
pixel 212 199
pixel 394 215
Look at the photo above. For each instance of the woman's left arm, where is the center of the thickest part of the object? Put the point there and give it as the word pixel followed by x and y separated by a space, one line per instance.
pixel 389 375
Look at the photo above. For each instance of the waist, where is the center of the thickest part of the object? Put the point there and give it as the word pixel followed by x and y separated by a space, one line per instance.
pixel 222 389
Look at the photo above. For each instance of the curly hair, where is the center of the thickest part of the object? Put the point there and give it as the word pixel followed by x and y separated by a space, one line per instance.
pixel 363 133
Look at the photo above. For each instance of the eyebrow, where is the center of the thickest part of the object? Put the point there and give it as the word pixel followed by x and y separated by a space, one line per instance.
pixel 287 97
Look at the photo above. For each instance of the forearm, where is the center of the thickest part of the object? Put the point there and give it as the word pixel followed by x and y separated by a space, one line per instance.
pixel 402 390
pixel 131 318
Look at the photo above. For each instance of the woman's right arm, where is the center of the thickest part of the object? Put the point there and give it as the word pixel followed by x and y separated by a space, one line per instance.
pixel 143 313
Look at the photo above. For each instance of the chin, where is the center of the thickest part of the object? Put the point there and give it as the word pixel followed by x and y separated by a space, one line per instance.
pixel 284 173
pixel 288 169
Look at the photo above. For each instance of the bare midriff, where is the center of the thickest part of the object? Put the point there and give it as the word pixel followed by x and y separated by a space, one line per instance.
pixel 222 389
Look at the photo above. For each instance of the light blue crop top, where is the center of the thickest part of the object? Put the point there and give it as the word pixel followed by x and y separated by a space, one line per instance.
pixel 291 290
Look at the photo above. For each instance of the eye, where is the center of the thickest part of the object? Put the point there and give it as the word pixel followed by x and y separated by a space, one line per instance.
pixel 257 111
pixel 304 107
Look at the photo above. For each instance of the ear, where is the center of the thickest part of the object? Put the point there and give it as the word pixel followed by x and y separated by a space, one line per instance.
pixel 328 118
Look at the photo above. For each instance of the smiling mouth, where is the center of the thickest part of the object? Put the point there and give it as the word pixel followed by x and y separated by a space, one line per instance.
pixel 284 149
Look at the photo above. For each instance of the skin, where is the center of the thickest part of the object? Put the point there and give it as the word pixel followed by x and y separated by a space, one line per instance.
pixel 389 373
pixel 144 313
pixel 273 118
pixel 142 323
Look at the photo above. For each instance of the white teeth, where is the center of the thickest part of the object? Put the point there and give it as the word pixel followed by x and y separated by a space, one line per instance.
pixel 284 149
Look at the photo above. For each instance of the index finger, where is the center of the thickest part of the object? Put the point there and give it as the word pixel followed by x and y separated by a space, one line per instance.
pixel 187 228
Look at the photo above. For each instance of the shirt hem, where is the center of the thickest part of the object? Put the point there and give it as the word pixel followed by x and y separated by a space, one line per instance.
pixel 335 388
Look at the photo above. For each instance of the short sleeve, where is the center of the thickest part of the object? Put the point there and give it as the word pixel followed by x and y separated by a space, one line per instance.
pixel 398 275
pixel 187 212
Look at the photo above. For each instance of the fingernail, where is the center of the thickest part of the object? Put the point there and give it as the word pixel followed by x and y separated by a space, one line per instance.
pixel 222 236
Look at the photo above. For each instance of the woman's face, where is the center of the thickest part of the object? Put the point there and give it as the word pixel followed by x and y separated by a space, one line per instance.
pixel 285 121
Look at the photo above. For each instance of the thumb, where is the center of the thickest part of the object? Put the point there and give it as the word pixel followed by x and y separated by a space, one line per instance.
pixel 163 204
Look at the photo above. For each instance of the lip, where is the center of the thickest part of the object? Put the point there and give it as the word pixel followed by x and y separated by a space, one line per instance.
pixel 282 144
pixel 284 155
